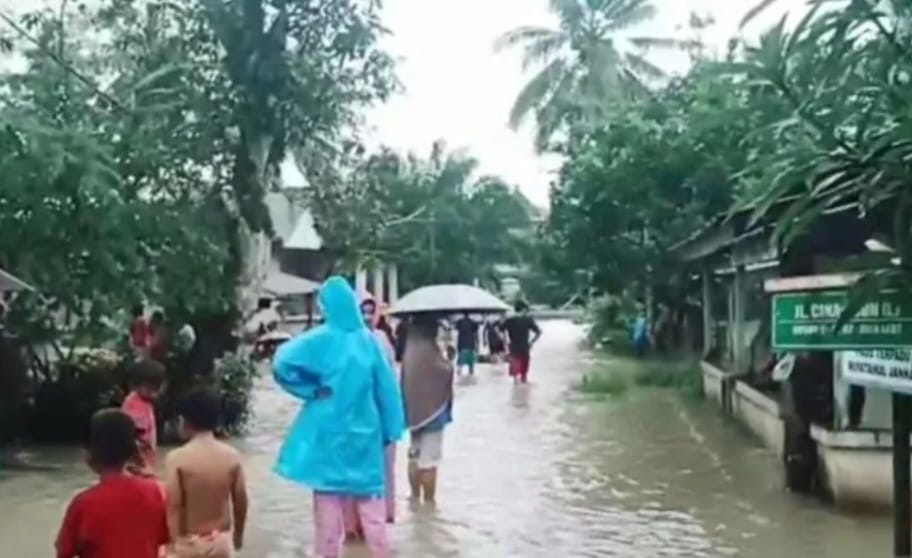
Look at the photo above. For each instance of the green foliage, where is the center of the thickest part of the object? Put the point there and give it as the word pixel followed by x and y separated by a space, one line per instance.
pixel 610 321
pixel 431 215
pixel 843 72
pixel 657 171
pixel 136 144
pixel 605 383
pixel 236 376
pixel 683 376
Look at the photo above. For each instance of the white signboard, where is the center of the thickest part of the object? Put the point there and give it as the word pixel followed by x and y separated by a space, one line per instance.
pixel 888 369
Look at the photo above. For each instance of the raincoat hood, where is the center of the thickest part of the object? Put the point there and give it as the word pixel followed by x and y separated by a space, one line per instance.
pixel 341 308
pixel 352 402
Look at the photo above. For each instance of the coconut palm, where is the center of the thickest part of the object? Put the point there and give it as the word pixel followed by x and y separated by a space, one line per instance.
pixel 587 62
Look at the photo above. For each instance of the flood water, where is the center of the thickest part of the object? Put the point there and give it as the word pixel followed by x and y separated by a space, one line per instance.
pixel 531 471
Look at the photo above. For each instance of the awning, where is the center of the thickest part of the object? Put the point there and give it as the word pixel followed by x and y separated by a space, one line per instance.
pixel 8 282
pixel 283 284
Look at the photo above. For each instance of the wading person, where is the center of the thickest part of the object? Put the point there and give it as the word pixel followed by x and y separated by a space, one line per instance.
pixel 640 334
pixel 522 332
pixel 352 411
pixel 466 343
pixel 204 479
pixel 147 380
pixel 427 380
pixel 494 340
pixel 121 516
pixel 353 529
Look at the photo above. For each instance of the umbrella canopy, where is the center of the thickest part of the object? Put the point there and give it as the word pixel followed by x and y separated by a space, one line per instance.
pixel 449 299
pixel 10 283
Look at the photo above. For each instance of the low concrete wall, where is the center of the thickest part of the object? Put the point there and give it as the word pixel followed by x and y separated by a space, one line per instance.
pixel 858 467
pixel 761 415
pixel 758 412
pixel 713 384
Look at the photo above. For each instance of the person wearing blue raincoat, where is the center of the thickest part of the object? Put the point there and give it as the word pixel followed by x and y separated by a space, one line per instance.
pixel 352 410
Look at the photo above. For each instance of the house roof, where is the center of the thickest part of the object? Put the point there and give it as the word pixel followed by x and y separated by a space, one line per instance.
pixel 9 282
pixel 305 235
pixel 283 284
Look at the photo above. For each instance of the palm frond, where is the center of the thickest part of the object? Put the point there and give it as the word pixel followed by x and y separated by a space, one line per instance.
pixel 570 12
pixel 535 91
pixel 543 50
pixel 756 11
pixel 524 35
pixel 624 14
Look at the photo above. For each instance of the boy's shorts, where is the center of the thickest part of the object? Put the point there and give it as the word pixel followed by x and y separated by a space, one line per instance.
pixel 427 449
pixel 467 357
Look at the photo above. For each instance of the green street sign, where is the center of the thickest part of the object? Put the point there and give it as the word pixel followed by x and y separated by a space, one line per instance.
pixel 807 321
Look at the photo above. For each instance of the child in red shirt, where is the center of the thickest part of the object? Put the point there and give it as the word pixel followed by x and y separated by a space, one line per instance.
pixel 147 378
pixel 122 516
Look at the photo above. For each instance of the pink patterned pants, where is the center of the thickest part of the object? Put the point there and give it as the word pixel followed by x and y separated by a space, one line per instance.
pixel 329 516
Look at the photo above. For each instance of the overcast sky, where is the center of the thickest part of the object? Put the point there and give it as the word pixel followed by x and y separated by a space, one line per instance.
pixel 460 90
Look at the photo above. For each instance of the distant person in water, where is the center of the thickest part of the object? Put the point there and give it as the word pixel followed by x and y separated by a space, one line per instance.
pixel 204 479
pixel 466 343
pixel 122 516
pixel 352 411
pixel 494 339
pixel 640 334
pixel 522 333
pixel 427 381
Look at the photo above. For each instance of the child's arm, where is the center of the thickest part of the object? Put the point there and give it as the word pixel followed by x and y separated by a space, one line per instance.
pixel 174 497
pixel 239 505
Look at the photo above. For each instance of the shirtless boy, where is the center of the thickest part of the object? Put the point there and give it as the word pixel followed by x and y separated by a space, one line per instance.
pixel 207 496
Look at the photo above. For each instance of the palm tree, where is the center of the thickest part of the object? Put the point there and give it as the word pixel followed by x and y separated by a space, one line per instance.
pixel 585 63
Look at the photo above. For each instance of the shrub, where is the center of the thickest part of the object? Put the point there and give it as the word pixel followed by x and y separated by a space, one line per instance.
pixel 62 405
pixel 610 317
pixel 235 376
pixel 603 383
pixel 684 376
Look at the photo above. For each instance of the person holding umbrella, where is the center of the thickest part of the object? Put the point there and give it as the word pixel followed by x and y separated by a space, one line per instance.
pixel 427 382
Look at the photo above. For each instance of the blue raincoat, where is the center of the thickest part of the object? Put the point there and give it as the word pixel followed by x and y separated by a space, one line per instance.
pixel 352 404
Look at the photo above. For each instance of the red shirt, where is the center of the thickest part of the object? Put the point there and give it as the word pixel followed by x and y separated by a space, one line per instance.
pixel 139 333
pixel 120 517
pixel 143 414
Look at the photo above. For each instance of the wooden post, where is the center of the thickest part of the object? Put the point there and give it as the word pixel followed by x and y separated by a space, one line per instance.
pixel 708 338
pixel 902 484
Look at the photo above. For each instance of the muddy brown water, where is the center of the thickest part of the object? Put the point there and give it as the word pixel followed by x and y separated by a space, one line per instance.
pixel 529 472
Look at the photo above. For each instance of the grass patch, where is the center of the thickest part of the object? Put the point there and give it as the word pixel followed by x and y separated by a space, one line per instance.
pixel 683 376
pixel 604 383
